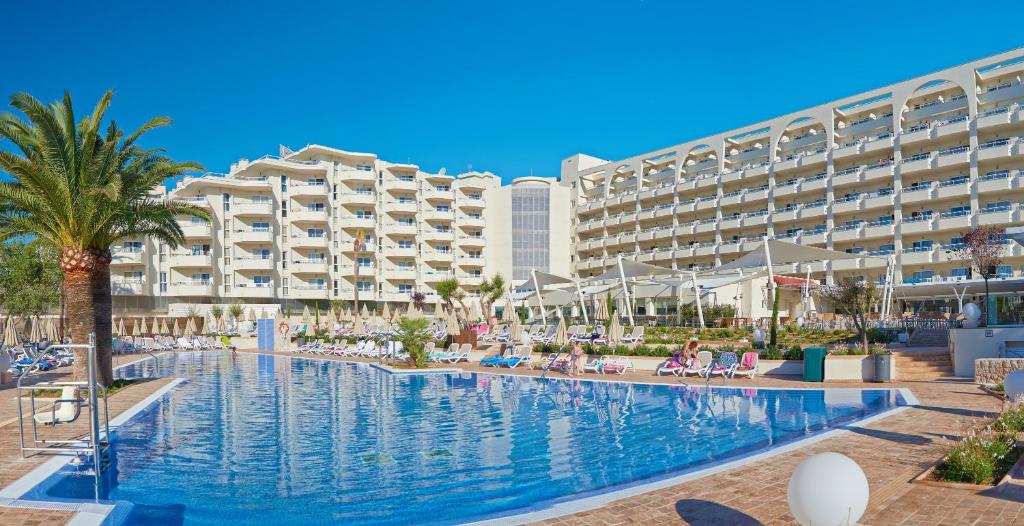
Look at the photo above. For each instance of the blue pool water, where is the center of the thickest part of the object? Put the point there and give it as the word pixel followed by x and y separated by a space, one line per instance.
pixel 257 439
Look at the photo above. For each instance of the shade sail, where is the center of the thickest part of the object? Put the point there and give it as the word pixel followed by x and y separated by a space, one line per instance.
pixel 633 269
pixel 785 253
pixel 545 278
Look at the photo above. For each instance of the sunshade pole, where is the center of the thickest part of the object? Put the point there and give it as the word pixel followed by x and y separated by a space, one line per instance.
pixel 540 299
pixel 807 290
pixel 583 305
pixel 885 287
pixel 696 295
pixel 625 291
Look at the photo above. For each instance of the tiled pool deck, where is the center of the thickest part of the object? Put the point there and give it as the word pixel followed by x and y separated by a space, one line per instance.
pixel 891 451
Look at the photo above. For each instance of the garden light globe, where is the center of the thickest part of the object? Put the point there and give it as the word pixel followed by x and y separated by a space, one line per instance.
pixel 828 489
pixel 758 335
pixel 971 314
pixel 1013 385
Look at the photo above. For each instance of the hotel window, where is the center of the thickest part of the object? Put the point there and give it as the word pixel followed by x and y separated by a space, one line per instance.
pixel 314 232
pixel 315 207
pixel 261 281
pixel 406 221
pixel 284 208
pixel 884 250
pixel 406 178
pixel 442 228
pixel 316 181
pixel 365 286
pixel 405 243
pixel 405 264
pixel 962 273
pixel 261 253
pixel 444 249
pixel 227 202
pixel 364 214
pixel 1004 271
pixel 284 184
pixel 405 200
pixel 442 208
pixel 334 194
pixel 335 266
pixel 200 250
pixel 476 197
pixel 363 190
pixel 261 227
pixel 364 262
pixel 134 276
pixel 364 168
pixel 133 247
pixel 200 278
pixel 442 188
pixel 316 257
pixel 405 288
pixel 335 291
pixel 163 282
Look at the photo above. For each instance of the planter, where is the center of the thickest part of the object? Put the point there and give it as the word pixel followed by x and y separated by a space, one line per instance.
pixel 927 477
pixel 883 368
pixel 849 368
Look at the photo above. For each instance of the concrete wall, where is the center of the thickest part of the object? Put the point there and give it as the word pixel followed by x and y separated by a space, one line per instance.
pixel 969 345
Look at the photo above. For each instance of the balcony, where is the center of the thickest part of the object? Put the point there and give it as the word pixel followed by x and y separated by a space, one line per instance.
pixel 308 267
pixel 705 225
pixel 127 257
pixel 436 256
pixel 935 107
pixel 397 251
pixel 348 173
pixel 251 208
pixel 664 210
pixel 252 263
pixel 303 189
pixel 400 274
pixel 303 241
pixel 364 222
pixel 252 290
pixel 127 287
pixel 959 155
pixel 191 288
pixel 409 207
pixel 875 200
pixel 469 221
pixel 997 149
pixel 917 225
pixel 400 185
pixel 306 215
pixel 917 163
pixel 190 260
pixel 879 229
pixel 357 199
pixel 252 236
pixel 399 229
pixel 434 235
pixel 847 232
pixel 878 171
pixel 434 276
pixel 439 216
pixel 846 204
pixel 953 188
pixel 753 195
pixel 918 194
pixel 194 201
pixel 996 215
pixel 472 241
pixel 854 174
pixel 846 264
pixel 953 220
pixel 432 194
pixel 193 231
pixel 998 181
pixel 471 261
pixel 705 203
pixel 312 292
pixel 918 255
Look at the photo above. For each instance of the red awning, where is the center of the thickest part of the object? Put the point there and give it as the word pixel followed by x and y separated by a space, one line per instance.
pixel 787 281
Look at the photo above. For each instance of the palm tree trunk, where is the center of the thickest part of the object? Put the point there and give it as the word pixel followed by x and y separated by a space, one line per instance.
pixel 78 266
pixel 103 310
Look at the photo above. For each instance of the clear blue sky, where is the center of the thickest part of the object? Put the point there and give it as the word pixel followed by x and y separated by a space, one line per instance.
pixel 504 87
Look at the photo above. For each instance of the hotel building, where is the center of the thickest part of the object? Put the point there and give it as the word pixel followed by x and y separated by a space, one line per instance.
pixel 900 171
pixel 284 229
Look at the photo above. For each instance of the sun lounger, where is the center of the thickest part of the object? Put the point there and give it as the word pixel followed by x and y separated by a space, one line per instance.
pixel 725 365
pixel 747 366
pixel 673 365
pixel 636 336
pixel 699 366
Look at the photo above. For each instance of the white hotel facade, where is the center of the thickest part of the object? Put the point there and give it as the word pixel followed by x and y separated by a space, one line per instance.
pixel 898 171
pixel 283 229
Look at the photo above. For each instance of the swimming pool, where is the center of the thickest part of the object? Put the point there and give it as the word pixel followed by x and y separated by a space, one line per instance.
pixel 276 440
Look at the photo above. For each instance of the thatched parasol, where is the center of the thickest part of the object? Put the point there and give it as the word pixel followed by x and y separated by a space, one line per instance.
pixel 10 334
pixel 453 324
pixel 176 329
pixel 135 328
pixel 120 328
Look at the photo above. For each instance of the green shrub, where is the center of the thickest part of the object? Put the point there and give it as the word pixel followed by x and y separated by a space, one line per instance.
pixel 770 353
pixel 1012 420
pixel 978 459
pixel 793 353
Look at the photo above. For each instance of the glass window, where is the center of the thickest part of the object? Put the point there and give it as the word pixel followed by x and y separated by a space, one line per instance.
pixel 261 227
pixel 405 288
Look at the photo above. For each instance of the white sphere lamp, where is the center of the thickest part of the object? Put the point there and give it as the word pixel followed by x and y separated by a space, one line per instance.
pixel 972 315
pixel 828 489
pixel 1013 386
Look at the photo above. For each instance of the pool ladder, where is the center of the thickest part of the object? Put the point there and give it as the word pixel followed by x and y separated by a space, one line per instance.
pixel 93 445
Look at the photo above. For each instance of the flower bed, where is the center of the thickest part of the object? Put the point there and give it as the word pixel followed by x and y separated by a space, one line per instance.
pixel 984 457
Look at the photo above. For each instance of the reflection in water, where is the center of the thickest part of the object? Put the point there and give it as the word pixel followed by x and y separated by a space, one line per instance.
pixel 258 438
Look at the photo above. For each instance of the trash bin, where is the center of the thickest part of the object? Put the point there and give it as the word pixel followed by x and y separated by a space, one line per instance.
pixel 883 367
pixel 814 364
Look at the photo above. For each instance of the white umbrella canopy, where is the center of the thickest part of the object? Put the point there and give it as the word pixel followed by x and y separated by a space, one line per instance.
pixel 600 310
pixel 35 332
pixel 10 334
pixel 51 330
pixel 176 329
pixel 453 324
pixel 386 313
pixel 346 315
pixel 357 326
pixel 365 313
pixel 508 313
pixel 144 327
pixel 614 331
pixel 190 327
pixel 515 329
pixel 332 318
pixel 135 328
pixel 163 327
pixel 120 328
pixel 561 336
pixel 475 310
pixel 305 314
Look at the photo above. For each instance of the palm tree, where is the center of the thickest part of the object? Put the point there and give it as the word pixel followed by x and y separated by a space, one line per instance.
pixel 80 188
pixel 449 290
pixel 490 291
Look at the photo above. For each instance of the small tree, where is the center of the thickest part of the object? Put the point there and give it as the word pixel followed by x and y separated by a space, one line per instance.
pixel 774 331
pixel 983 247
pixel 412 333
pixel 30 278
pixel 450 291
pixel 855 298
pixel 610 305
pixel 218 312
pixel 419 300
pixel 236 311
pixel 490 291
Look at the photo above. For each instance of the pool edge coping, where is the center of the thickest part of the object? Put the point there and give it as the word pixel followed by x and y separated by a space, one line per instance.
pixel 95 514
pixel 86 513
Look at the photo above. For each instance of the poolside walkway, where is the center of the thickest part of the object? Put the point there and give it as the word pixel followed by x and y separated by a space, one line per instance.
pixel 13 467
pixel 891 451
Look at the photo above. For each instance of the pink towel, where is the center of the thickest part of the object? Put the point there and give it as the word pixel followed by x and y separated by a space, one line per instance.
pixel 749 360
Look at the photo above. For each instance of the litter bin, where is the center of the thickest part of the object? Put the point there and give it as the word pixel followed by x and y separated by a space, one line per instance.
pixel 814 364
pixel 883 367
